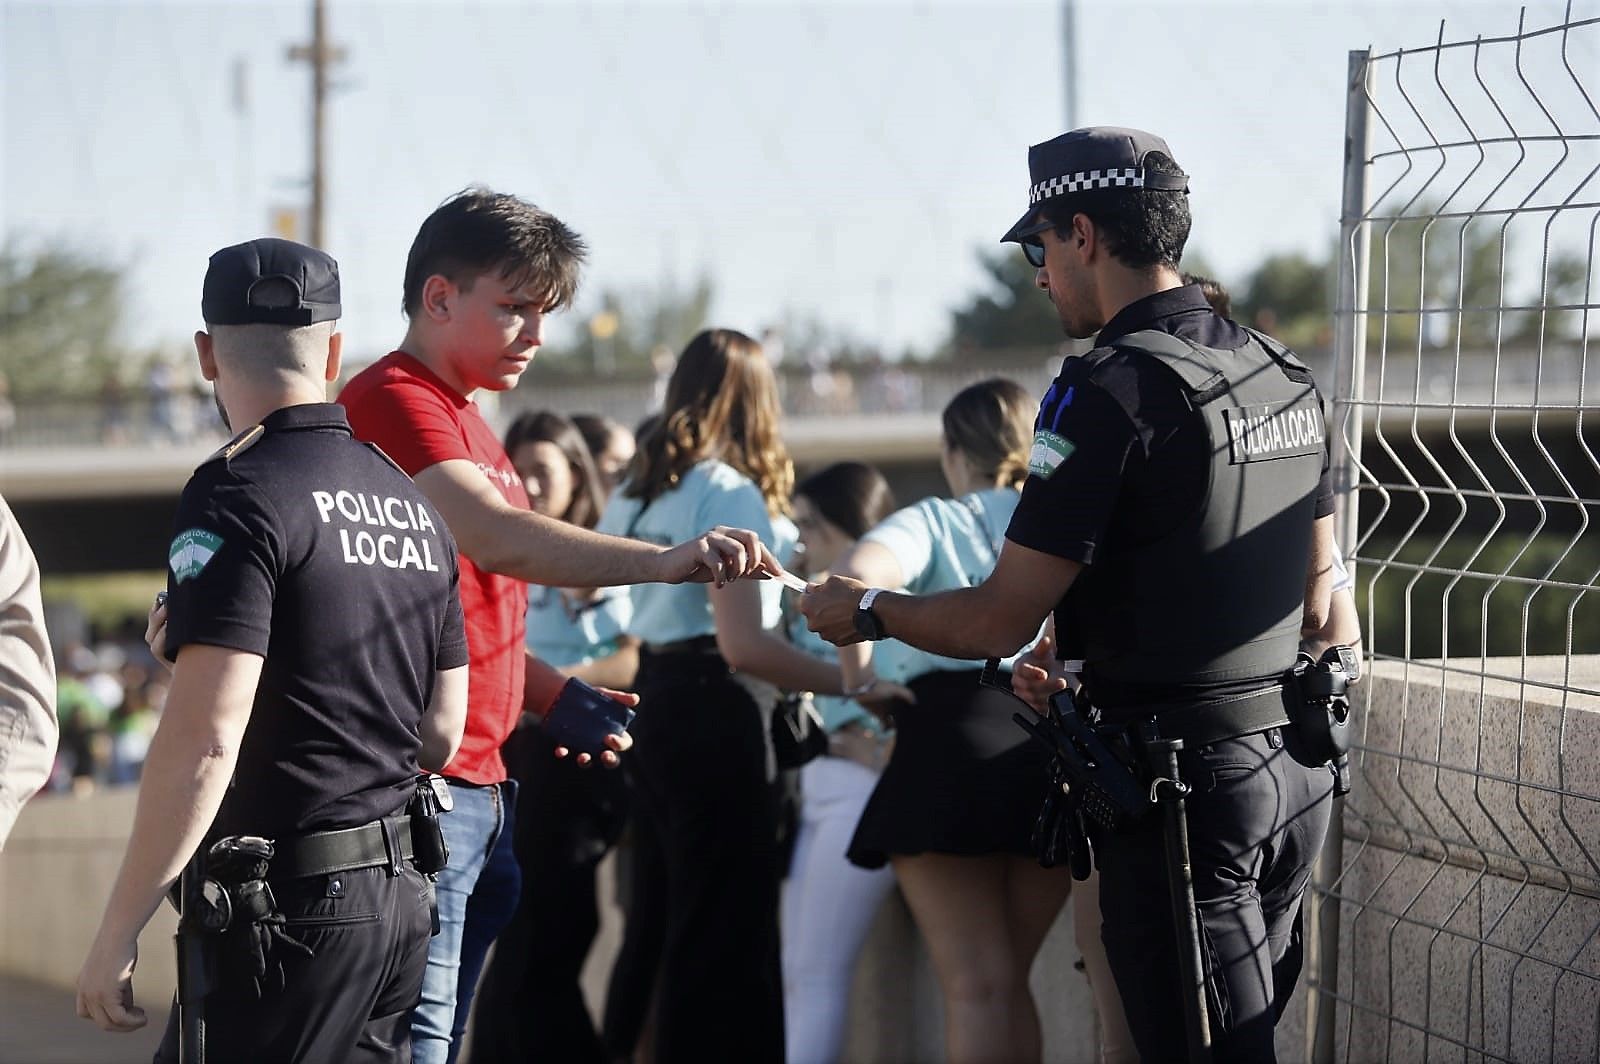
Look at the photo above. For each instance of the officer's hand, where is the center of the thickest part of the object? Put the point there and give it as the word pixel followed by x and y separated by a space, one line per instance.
pixel 155 630
pixel 105 988
pixel 718 557
pixel 1038 675
pixel 830 609
pixel 618 744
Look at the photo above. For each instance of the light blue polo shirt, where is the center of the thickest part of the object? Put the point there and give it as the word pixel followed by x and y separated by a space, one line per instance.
pixel 941 544
pixel 562 632
pixel 711 493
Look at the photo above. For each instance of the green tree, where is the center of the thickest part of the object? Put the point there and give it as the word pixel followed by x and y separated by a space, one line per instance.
pixel 1436 265
pixel 1010 312
pixel 60 321
pixel 1566 280
pixel 626 327
pixel 1289 295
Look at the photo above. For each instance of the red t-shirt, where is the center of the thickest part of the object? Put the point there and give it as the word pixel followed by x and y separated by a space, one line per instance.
pixel 420 421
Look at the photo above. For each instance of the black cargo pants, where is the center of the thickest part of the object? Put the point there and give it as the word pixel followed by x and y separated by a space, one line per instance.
pixel 1257 819
pixel 352 1001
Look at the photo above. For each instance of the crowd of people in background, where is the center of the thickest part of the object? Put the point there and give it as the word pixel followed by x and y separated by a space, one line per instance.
pixel 109 696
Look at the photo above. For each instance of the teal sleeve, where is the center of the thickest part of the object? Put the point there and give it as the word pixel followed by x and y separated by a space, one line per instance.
pixel 907 534
pixel 736 504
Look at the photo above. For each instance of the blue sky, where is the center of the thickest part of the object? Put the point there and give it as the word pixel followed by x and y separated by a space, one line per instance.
pixel 838 161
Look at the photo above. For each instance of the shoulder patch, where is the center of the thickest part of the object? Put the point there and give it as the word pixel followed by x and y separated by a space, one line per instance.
pixel 385 456
pixel 191 552
pixel 1049 450
pixel 238 445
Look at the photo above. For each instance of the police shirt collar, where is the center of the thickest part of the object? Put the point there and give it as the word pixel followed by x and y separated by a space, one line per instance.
pixel 1145 312
pixel 307 416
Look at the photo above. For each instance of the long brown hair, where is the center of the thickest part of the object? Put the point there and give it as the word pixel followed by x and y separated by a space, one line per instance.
pixel 722 402
pixel 991 423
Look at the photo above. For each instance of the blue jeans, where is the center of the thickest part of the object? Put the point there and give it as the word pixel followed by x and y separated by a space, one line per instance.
pixel 477 895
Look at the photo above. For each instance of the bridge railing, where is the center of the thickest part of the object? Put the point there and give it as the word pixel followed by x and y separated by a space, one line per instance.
pixel 812 395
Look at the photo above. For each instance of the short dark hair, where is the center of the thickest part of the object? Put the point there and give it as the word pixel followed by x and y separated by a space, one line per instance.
pixel 852 496
pixel 1215 293
pixel 598 430
pixel 477 231
pixel 1142 227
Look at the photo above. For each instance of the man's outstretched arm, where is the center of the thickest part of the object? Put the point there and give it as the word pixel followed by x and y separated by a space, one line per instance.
pixel 992 620
pixel 503 539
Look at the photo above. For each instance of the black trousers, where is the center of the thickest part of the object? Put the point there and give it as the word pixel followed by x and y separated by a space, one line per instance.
pixel 642 885
pixel 352 1000
pixel 700 760
pixel 530 1003
pixel 1256 819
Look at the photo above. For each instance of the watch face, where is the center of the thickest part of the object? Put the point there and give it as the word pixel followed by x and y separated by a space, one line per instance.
pixel 868 625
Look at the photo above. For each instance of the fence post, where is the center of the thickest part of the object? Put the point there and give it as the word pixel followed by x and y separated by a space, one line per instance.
pixel 1350 342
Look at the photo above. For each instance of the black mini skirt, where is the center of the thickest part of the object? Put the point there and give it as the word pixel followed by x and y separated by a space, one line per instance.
pixel 963 779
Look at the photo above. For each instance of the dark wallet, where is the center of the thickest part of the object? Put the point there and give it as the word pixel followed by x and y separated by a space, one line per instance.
pixel 582 717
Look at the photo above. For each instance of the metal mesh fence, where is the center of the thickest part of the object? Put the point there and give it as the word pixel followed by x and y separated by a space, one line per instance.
pixel 1459 911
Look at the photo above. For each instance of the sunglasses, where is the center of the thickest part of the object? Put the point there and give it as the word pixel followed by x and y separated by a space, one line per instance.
pixel 1033 244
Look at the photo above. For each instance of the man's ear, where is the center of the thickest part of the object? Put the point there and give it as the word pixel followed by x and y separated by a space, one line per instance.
pixel 208 355
pixel 1084 239
pixel 438 297
pixel 335 350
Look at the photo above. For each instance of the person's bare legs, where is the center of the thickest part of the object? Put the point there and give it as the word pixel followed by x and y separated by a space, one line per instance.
pixel 1116 1041
pixel 962 907
pixel 1034 897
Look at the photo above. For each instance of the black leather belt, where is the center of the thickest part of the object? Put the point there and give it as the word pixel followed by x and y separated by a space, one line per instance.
pixel 382 842
pixel 1201 724
pixel 700 644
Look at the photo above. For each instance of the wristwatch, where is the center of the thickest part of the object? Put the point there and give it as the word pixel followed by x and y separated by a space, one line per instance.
pixel 869 624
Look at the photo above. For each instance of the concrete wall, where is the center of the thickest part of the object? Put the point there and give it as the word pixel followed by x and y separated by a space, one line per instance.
pixel 56 874
pixel 1469 910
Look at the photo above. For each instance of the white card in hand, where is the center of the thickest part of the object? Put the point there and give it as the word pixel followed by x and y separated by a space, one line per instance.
pixel 790 581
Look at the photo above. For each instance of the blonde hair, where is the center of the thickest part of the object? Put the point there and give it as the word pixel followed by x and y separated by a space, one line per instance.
pixel 991 424
pixel 722 402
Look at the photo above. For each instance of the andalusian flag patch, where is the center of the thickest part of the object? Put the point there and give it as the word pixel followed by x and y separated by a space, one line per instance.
pixel 1050 449
pixel 190 552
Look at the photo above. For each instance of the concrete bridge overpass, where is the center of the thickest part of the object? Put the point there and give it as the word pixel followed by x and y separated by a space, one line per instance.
pixel 95 487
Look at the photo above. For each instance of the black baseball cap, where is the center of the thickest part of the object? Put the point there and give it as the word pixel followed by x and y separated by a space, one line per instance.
pixel 1090 159
pixel 270 282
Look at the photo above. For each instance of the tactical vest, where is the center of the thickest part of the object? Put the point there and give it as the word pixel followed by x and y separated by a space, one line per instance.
pixel 1219 598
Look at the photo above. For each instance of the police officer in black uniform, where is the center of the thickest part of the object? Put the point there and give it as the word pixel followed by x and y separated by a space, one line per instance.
pixel 1177 520
pixel 319 653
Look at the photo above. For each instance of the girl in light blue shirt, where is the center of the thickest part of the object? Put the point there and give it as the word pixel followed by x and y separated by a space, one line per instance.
pixel 709 670
pixel 955 807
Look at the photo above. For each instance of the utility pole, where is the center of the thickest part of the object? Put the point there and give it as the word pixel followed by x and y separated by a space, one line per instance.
pixel 319 54
pixel 1069 60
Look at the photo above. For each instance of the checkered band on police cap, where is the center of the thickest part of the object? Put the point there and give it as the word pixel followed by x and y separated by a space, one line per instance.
pixel 1126 177
pixel 1089 160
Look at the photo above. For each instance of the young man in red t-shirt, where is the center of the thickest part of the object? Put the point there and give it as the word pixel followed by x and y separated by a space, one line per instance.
pixel 483 272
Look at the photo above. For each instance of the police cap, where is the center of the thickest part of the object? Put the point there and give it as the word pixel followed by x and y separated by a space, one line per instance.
pixel 270 282
pixel 1089 160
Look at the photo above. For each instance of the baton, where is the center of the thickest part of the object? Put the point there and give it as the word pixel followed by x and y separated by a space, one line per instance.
pixel 1170 790
pixel 193 976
